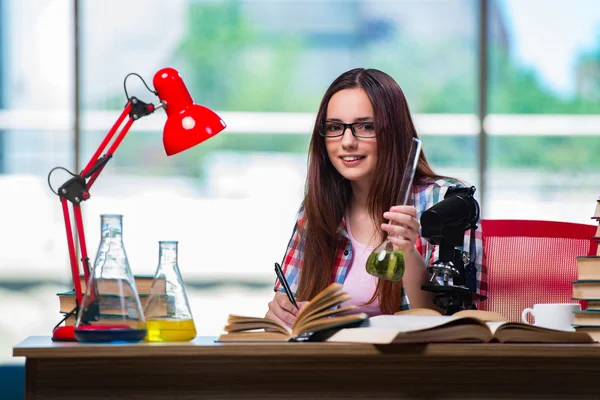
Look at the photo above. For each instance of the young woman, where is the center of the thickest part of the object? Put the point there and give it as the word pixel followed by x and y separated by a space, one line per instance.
pixel 360 144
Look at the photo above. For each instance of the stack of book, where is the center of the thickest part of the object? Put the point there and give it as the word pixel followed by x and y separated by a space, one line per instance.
pixel 587 288
pixel 67 299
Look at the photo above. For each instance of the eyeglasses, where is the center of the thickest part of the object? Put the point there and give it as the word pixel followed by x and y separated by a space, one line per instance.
pixel 364 129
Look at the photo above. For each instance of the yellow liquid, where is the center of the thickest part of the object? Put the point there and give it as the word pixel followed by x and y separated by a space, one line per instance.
pixel 170 330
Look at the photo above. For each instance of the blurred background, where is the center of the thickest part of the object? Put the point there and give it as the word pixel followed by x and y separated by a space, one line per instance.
pixel 505 95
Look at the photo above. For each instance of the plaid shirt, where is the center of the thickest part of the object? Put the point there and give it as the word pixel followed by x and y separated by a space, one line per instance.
pixel 424 195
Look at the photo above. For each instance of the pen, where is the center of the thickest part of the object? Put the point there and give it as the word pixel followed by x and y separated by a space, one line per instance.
pixel 285 285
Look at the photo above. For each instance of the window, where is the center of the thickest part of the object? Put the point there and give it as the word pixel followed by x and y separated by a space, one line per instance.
pixel 543 98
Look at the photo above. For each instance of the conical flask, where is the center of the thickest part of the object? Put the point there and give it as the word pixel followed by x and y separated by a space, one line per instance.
pixel 111 308
pixel 386 261
pixel 168 314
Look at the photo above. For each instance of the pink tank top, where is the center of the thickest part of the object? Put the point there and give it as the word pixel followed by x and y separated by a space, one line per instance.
pixel 358 283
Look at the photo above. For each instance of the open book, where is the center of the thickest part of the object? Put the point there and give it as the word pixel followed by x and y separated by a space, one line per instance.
pixel 407 328
pixel 483 315
pixel 321 313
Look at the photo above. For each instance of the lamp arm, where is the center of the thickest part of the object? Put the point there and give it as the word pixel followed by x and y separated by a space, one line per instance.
pixel 72 253
pixel 76 189
pixel 106 140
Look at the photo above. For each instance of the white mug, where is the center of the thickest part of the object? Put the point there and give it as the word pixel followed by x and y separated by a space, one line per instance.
pixel 552 315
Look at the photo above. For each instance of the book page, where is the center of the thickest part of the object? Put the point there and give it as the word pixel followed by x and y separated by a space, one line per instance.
pixel 324 304
pixel 246 336
pixel 238 327
pixel 482 315
pixel 385 329
pixel 315 303
pixel 479 314
pixel 364 335
pixel 327 323
pixel 409 323
pixel 493 325
pixel 515 332
pixel 419 311
pixel 329 312
pixel 496 326
pixel 241 323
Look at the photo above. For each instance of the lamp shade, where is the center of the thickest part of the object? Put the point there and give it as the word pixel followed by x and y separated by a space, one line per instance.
pixel 188 124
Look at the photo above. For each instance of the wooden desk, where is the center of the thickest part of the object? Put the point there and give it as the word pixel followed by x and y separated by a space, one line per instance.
pixel 204 370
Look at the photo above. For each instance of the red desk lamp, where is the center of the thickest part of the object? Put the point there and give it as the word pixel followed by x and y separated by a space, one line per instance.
pixel 187 125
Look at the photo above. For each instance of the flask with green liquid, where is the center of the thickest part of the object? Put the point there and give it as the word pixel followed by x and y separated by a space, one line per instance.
pixel 385 262
pixel 168 314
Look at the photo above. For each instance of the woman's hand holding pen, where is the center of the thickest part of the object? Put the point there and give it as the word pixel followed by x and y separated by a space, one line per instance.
pixel 282 311
pixel 403 227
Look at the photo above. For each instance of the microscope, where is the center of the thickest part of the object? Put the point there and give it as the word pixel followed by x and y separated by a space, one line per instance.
pixel 454 276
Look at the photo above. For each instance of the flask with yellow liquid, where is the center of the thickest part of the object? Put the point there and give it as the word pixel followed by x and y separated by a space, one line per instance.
pixel 168 314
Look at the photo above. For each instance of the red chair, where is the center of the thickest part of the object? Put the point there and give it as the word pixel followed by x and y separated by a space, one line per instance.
pixel 532 262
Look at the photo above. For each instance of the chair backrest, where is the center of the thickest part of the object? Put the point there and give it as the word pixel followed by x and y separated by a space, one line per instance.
pixel 532 262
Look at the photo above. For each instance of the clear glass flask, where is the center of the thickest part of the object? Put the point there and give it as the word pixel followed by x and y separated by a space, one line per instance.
pixel 111 308
pixel 386 262
pixel 168 314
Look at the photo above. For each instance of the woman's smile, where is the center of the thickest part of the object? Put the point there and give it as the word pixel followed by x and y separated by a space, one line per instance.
pixel 352 160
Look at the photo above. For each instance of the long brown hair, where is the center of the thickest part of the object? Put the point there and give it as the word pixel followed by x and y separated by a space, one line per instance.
pixel 327 193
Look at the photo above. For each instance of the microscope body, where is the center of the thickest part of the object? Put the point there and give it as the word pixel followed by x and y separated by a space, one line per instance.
pixel 453 273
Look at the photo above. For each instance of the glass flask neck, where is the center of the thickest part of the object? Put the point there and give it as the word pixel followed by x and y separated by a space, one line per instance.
pixel 112 227
pixel 167 253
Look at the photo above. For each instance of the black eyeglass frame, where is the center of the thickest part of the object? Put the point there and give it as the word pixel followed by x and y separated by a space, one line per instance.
pixel 346 126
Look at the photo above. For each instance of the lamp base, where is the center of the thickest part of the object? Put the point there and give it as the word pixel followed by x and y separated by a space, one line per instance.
pixel 64 334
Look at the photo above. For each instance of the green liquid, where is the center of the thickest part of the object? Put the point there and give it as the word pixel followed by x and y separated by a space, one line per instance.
pixel 386 265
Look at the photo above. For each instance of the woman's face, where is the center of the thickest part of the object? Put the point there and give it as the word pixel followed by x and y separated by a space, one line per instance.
pixel 354 158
